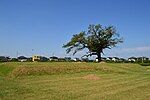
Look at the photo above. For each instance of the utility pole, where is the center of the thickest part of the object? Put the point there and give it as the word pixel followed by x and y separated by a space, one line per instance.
pixel 142 59
pixel 32 52
pixel 53 54
pixel 17 54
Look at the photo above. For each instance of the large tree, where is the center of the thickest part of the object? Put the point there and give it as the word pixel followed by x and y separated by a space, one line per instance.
pixel 95 40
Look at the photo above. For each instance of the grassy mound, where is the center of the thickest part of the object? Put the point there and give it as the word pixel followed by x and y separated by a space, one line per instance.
pixel 48 70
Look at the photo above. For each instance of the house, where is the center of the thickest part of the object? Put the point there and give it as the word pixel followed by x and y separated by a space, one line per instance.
pixel 109 58
pixel 102 59
pixel 14 59
pixel 96 59
pixel 29 59
pixel 39 58
pixel 76 59
pixel 122 59
pixel 43 59
pixel 142 58
pixel 68 58
pixel 4 59
pixel 132 59
pixel 62 59
pixel 36 58
pixel 115 59
pixel 85 59
pixel 22 59
pixel 53 58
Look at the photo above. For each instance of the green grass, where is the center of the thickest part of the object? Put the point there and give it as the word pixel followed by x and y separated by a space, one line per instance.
pixel 64 81
pixel 145 64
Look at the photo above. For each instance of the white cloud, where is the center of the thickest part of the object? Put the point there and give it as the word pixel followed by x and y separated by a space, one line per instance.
pixel 137 49
pixel 128 52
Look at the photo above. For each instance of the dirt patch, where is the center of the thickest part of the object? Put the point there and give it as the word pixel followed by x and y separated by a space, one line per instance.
pixel 91 77
pixel 102 62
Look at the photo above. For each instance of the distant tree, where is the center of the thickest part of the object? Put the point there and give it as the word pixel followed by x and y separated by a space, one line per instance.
pixel 22 57
pixel 43 59
pixel 14 59
pixel 4 59
pixel 95 39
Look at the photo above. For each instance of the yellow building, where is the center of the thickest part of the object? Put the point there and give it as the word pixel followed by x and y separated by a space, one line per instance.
pixel 36 58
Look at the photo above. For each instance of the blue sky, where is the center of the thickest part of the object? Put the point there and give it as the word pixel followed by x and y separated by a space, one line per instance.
pixel 43 26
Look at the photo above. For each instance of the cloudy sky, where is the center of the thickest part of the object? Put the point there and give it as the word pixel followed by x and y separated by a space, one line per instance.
pixel 43 26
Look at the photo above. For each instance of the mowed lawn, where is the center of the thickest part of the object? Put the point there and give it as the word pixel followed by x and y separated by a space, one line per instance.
pixel 74 80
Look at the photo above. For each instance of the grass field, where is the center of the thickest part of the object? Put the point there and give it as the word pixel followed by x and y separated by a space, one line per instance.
pixel 70 80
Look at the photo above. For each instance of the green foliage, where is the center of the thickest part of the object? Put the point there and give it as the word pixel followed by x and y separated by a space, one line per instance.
pixel 14 60
pixel 95 39
pixel 4 69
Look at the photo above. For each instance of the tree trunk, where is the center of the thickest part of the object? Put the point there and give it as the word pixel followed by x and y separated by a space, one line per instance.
pixel 99 57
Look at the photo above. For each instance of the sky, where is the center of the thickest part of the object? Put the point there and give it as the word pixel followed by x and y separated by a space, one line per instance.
pixel 41 27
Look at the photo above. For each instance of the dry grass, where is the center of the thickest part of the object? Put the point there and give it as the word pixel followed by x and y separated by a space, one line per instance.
pixel 52 69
